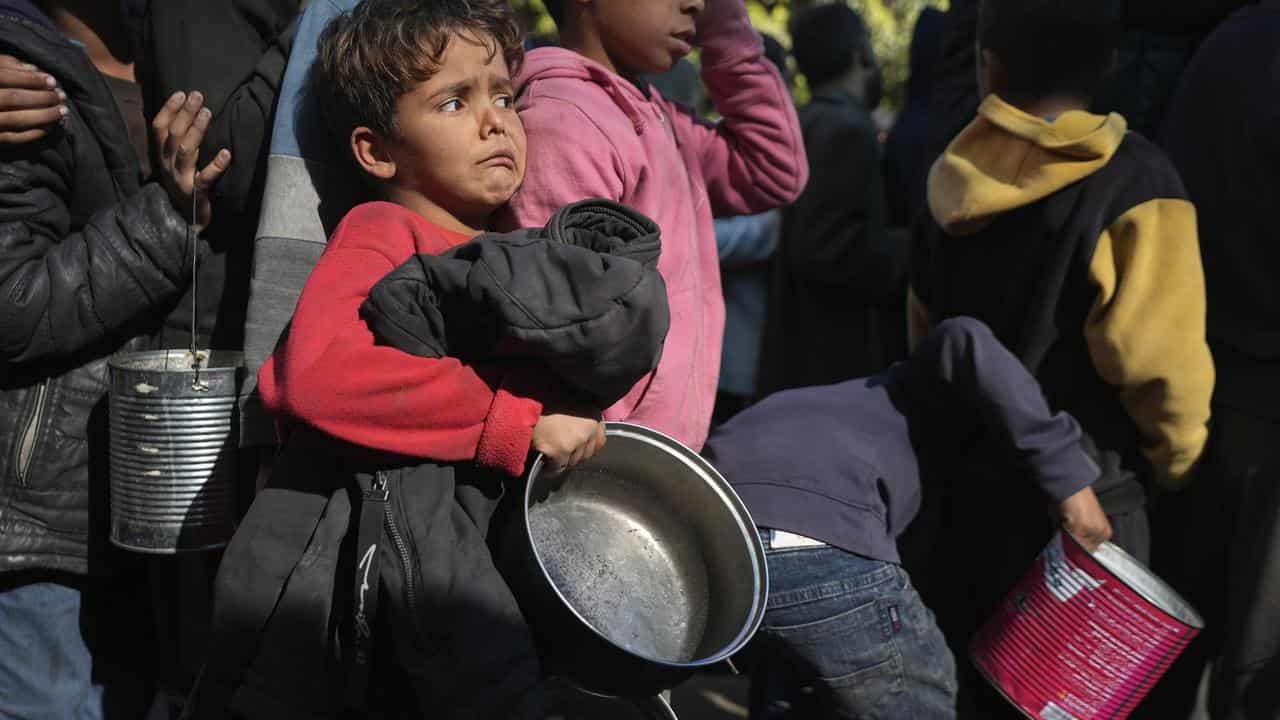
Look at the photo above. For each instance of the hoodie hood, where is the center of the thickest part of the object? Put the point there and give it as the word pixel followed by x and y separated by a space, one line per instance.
pixel 557 63
pixel 1006 159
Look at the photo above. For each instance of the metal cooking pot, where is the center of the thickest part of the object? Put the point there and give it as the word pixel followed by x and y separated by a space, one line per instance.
pixel 636 567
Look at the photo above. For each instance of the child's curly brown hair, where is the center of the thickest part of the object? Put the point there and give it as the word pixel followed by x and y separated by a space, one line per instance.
pixel 381 49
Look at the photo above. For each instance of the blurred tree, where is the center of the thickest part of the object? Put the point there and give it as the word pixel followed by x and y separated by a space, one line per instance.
pixel 890 22
pixel 533 14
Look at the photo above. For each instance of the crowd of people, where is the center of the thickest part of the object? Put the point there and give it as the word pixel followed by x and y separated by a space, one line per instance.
pixel 444 251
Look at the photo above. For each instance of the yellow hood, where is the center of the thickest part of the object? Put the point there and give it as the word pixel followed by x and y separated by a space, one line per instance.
pixel 1006 159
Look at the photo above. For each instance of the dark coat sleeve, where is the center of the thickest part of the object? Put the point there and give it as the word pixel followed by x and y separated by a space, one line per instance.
pixel 961 379
pixel 63 291
pixel 921 278
pixel 835 233
pixel 235 52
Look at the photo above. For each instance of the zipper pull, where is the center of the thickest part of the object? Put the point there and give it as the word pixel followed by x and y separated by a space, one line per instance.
pixel 378 488
pixel 366 588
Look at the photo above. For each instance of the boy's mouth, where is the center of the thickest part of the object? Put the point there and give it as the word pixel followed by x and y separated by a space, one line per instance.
pixel 683 41
pixel 500 158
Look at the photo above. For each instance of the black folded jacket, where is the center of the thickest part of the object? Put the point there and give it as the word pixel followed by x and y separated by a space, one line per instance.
pixel 582 296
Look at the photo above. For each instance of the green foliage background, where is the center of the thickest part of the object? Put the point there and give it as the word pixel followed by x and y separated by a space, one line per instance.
pixel 889 21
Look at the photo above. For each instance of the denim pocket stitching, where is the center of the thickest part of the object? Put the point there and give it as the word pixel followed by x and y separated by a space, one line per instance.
pixel 893 664
pixel 880 671
pixel 835 589
pixel 830 618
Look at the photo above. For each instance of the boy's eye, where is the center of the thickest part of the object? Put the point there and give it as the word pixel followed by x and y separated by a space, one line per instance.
pixel 453 105
pixel 504 101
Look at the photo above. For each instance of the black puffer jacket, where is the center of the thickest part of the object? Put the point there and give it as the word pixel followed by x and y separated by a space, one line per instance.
pixel 87 257
pixel 502 296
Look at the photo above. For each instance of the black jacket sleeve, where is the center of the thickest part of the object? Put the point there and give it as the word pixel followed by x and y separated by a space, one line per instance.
pixel 835 234
pixel 961 379
pixel 63 291
pixel 235 52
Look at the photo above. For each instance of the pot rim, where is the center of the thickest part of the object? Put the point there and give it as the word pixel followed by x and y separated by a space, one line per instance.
pixel 704 470
pixel 212 361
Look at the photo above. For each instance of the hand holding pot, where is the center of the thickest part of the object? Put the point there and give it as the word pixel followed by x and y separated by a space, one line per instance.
pixel 567 435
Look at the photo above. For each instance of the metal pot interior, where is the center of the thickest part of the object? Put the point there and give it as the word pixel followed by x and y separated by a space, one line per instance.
pixel 650 548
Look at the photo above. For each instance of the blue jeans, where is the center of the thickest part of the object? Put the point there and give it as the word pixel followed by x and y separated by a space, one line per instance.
pixel 45 666
pixel 845 636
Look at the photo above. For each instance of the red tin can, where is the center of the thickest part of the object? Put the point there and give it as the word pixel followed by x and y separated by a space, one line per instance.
pixel 1083 636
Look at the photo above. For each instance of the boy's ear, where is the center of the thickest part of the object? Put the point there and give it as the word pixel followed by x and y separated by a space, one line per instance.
pixel 371 153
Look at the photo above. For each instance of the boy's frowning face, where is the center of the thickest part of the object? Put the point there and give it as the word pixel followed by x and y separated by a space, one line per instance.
pixel 459 143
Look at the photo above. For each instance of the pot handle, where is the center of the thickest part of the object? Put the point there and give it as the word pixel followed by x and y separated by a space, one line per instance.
pixel 655 707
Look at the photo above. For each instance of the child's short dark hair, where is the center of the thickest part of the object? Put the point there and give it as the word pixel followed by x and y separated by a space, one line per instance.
pixel 1051 47
pixel 378 51
pixel 825 41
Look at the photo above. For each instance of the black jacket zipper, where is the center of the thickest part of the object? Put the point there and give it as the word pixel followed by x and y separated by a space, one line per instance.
pixel 31 433
pixel 402 549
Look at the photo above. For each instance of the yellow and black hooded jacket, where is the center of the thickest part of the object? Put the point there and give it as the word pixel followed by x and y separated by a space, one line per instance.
pixel 1074 240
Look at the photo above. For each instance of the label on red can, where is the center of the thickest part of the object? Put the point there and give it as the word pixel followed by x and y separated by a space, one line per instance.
pixel 1073 641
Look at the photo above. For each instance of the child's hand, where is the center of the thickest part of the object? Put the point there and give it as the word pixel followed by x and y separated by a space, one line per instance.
pixel 30 102
pixel 178 130
pixel 568 438
pixel 1082 516
pixel 719 16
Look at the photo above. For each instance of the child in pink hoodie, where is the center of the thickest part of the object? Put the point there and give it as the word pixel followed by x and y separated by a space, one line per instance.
pixel 596 130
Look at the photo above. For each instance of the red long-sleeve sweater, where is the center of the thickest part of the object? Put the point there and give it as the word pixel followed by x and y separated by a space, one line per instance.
pixel 330 374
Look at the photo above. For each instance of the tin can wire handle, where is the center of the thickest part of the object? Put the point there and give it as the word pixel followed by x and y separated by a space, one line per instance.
pixel 197 383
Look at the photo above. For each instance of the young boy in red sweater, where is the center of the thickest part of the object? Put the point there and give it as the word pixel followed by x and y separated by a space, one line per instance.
pixel 421 94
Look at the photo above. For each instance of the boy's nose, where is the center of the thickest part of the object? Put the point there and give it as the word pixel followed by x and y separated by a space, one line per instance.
pixel 693 7
pixel 491 122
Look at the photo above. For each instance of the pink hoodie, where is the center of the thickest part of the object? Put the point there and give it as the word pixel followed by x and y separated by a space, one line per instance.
pixel 593 133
